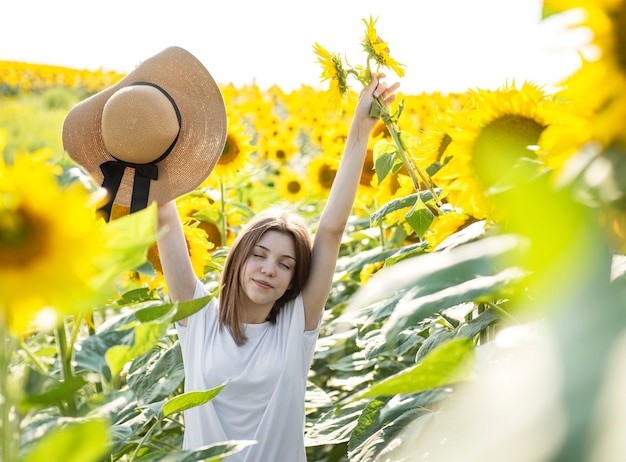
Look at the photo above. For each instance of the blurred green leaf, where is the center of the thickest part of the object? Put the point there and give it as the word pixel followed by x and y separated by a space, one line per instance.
pixel 127 240
pixel 75 442
pixel 450 363
pixel 41 389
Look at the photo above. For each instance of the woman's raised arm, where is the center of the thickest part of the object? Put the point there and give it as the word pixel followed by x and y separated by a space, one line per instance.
pixel 333 220
pixel 177 269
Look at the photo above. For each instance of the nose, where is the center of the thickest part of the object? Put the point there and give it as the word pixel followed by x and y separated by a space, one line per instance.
pixel 268 269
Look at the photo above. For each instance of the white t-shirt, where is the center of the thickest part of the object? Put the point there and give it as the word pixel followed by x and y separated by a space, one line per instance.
pixel 263 399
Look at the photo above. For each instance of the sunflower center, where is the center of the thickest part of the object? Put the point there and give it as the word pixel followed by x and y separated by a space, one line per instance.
pixel 326 176
pixel 230 151
pixel 620 36
pixel 294 187
pixel 501 143
pixel 21 240
pixel 213 233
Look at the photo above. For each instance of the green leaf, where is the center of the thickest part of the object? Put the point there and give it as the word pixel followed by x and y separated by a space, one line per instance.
pixel 146 336
pixel 399 204
pixel 91 355
pixel 76 442
pixel 44 390
pixel 335 426
pixel 409 312
pixel 450 363
pixel 379 425
pixel 186 309
pixel 156 376
pixel 384 165
pixel 429 273
pixel 419 218
pixel 213 453
pixel 188 400
pixel 368 422
pixel 127 240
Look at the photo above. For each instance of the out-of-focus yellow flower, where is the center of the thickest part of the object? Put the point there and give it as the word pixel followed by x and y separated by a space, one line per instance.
pixel 444 226
pixel 378 50
pixel 291 186
pixel 321 172
pixel 368 271
pixel 3 139
pixel 50 242
pixel 20 76
pixel 597 90
pixel 206 212
pixel 279 149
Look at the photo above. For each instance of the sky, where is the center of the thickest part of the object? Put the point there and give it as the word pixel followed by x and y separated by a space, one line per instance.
pixel 446 45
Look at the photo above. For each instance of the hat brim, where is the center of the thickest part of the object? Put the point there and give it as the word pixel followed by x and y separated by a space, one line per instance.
pixel 203 128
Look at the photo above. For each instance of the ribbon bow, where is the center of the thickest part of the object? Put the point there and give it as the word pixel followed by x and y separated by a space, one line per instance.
pixel 113 171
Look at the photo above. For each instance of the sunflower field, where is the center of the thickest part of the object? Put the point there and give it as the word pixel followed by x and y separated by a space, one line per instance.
pixel 478 308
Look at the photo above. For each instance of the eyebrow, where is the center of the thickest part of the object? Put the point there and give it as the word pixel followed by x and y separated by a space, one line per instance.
pixel 267 250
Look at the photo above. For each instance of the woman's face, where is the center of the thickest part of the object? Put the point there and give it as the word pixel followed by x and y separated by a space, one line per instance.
pixel 267 273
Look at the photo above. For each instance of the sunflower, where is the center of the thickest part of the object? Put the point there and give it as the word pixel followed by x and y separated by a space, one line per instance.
pixel 598 87
pixel 278 149
pixel 321 172
pixel 368 271
pixel 597 91
pixel 378 50
pixel 492 135
pixel 50 242
pixel 333 70
pixel 444 226
pixel 291 186
pixel 235 155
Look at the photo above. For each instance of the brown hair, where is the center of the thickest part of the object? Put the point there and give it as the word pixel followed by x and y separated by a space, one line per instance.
pixel 273 219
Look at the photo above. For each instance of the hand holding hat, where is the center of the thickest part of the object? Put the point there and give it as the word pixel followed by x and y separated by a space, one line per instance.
pixel 153 136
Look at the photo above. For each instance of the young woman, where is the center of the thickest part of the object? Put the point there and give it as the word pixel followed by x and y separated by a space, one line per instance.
pixel 259 337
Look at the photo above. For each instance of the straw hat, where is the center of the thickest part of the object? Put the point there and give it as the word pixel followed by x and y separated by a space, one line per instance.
pixel 153 136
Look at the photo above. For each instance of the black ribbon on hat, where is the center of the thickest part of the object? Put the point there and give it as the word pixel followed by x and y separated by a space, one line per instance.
pixel 113 170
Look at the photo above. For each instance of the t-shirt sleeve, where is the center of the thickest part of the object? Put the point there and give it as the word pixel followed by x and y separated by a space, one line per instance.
pixel 309 337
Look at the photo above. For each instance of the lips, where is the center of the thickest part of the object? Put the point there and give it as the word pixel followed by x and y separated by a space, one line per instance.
pixel 262 284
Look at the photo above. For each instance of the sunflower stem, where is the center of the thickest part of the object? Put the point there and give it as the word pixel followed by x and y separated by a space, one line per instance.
pixel 143 441
pixel 8 436
pixel 394 131
pixel 65 358
pixel 92 331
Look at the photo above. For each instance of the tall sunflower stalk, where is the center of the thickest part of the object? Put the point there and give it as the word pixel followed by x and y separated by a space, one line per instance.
pixel 337 71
